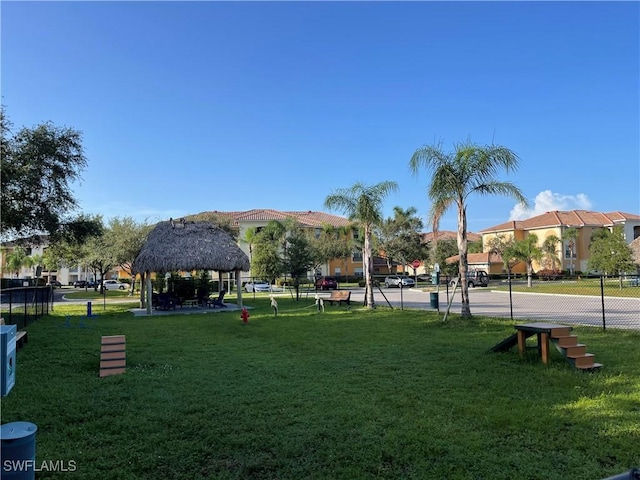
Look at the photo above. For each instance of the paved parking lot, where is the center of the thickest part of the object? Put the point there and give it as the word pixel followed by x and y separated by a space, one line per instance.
pixel 577 309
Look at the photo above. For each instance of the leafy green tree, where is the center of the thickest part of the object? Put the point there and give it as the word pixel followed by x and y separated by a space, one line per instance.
pixel 610 252
pixel 221 221
pixel 298 257
pixel 38 166
pixel 98 255
pixel 503 245
pixel 267 262
pixel 363 204
pixel 467 170
pixel 330 243
pixel 399 237
pixel 126 237
pixel 440 250
pixel 474 247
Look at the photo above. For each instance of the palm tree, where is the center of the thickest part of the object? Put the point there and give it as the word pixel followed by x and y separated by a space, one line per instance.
pixel 468 169
pixel 249 237
pixel 16 259
pixel 363 204
pixel 550 251
pixel 571 236
pixel 527 250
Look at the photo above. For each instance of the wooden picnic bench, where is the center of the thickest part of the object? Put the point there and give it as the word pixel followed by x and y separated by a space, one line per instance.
pixel 21 335
pixel 339 296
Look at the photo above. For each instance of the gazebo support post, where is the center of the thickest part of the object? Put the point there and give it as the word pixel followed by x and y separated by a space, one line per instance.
pixel 149 291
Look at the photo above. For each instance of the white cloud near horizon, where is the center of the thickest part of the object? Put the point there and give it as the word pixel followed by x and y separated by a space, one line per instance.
pixel 547 201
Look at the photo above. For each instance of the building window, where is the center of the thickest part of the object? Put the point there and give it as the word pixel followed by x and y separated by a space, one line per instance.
pixel 357 256
pixel 356 233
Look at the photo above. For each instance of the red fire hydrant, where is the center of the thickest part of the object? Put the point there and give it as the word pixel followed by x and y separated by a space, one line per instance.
pixel 245 315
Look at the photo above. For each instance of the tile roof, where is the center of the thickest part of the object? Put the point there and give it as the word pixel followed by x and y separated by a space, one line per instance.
pixel 449 235
pixel 571 218
pixel 308 218
pixel 475 258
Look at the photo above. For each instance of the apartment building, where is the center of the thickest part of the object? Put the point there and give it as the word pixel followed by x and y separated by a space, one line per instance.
pixel 574 255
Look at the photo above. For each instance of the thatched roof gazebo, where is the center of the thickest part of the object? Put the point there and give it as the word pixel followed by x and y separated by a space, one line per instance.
pixel 187 246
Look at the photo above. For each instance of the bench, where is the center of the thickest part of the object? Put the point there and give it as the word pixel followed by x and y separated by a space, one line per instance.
pixel 21 335
pixel 21 338
pixel 339 296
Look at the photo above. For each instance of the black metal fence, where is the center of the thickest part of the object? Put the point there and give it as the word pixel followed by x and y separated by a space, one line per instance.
pixel 596 301
pixel 21 306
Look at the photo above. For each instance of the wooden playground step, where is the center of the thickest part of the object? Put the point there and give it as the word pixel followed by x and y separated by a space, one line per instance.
pixel 582 361
pixel 575 353
pixel 567 344
pixel 560 332
pixel 593 367
pixel 565 341
pixel 575 350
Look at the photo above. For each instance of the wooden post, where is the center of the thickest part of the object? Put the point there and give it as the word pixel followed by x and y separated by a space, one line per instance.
pixel 543 340
pixel 521 342
pixel 149 290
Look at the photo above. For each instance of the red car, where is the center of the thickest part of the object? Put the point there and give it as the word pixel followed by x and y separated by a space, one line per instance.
pixel 326 283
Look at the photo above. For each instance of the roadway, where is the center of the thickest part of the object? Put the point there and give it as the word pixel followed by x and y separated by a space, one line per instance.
pixel 576 309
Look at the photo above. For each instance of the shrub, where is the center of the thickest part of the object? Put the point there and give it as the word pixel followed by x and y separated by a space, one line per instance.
pixel 549 274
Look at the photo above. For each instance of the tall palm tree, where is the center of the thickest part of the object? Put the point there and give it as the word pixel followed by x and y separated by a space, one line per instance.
pixel 571 234
pixel 468 169
pixel 363 204
pixel 550 251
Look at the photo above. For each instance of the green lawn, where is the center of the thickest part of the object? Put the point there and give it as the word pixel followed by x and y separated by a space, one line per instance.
pixel 348 394
pixel 581 287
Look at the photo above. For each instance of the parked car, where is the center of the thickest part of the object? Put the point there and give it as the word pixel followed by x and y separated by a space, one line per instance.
pixel 54 284
pixel 79 284
pixel 93 284
pixel 257 286
pixel 114 285
pixel 399 280
pixel 475 278
pixel 326 283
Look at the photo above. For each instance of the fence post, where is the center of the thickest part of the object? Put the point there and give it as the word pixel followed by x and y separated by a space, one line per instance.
pixel 26 322
pixel 510 296
pixel 604 325
pixel 10 307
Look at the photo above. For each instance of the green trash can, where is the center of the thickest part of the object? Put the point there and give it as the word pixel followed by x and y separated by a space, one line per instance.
pixel 18 451
pixel 433 300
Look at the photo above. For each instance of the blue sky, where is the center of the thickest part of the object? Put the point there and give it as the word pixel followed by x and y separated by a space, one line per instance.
pixel 188 107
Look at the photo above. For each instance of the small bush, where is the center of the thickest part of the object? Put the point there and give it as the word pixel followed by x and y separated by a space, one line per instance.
pixel 549 274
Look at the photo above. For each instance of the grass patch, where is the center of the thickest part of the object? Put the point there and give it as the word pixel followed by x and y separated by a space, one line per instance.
pixel 575 287
pixel 345 394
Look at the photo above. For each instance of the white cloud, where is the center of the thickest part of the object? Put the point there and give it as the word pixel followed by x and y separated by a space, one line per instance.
pixel 547 201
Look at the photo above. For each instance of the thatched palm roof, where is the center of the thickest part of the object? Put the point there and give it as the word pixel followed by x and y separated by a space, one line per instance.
pixel 188 246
